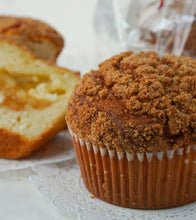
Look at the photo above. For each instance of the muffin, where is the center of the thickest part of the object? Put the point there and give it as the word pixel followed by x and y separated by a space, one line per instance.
pixel 133 126
pixel 40 38
pixel 33 99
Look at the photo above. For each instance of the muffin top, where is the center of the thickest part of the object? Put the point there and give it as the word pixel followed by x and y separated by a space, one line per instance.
pixel 137 103
pixel 32 28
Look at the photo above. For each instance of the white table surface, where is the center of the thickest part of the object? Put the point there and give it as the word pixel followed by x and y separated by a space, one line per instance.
pixel 19 198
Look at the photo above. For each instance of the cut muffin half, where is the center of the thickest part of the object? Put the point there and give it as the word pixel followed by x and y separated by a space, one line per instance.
pixel 40 38
pixel 33 100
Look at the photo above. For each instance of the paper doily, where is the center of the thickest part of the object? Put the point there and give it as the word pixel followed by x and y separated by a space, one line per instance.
pixel 59 149
pixel 62 183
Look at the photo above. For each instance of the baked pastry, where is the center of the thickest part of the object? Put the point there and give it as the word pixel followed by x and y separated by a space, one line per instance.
pixel 40 38
pixel 33 99
pixel 133 126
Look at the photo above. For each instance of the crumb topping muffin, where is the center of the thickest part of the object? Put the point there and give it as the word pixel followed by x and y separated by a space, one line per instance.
pixel 137 103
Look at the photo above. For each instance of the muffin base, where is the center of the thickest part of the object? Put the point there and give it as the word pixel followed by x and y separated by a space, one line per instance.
pixel 143 181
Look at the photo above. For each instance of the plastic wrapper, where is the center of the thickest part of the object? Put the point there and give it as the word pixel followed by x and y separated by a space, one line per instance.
pixel 168 27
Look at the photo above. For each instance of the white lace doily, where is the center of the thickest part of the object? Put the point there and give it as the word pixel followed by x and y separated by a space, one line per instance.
pixel 62 183
pixel 59 149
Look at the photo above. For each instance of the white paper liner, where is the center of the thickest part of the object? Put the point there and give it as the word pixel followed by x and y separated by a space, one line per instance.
pixel 140 156
pixel 149 177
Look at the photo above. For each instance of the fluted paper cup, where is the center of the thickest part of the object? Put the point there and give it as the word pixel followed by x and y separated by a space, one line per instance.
pixel 143 180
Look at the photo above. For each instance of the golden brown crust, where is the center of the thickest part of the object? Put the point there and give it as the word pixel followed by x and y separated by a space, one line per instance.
pixel 33 29
pixel 137 103
pixel 15 146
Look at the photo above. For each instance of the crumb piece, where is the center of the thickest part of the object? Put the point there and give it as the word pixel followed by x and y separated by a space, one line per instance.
pixel 93 197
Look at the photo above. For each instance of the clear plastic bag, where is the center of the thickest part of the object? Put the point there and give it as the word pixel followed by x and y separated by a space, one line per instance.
pixel 140 25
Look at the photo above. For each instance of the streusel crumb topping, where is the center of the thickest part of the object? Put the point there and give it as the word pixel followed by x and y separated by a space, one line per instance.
pixel 137 103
